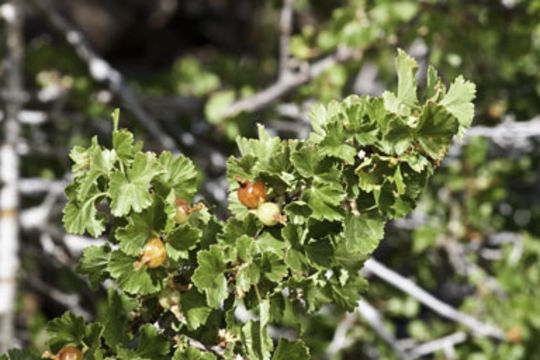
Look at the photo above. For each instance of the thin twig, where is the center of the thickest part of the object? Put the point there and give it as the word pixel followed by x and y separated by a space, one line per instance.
pixel 29 117
pixel 36 217
pixel 101 70
pixel 287 83
pixel 509 134
pixel 507 130
pixel 443 309
pixel 458 257
pixel 215 349
pixel 31 186
pixel 340 340
pixel 438 344
pixel 374 319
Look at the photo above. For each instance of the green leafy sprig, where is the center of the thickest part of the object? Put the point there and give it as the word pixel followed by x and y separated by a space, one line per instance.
pixel 366 161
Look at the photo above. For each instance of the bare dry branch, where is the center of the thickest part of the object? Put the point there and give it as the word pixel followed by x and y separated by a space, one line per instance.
pixel 443 309
pixel 374 319
pixel 438 344
pixel 287 83
pixel 340 340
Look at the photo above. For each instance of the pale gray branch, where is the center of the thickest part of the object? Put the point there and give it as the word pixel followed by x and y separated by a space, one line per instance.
pixel 508 131
pixel 443 309
pixel 29 117
pixel 31 186
pixel 509 134
pixel 340 340
pixel 287 83
pixel 374 319
pixel 438 344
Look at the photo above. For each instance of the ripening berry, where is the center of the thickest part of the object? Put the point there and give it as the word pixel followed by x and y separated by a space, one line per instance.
pixel 154 254
pixel 69 353
pixel 269 214
pixel 168 298
pixel 251 195
pixel 182 211
pixel 514 334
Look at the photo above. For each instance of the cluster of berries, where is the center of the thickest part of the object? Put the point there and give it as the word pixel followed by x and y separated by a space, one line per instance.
pixel 254 197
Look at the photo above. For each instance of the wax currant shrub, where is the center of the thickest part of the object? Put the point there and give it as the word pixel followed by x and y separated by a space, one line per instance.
pixel 290 247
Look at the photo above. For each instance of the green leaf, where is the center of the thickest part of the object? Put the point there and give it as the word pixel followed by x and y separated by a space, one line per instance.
pixel 324 200
pixel 345 259
pixel 255 335
pixel 101 164
pixel 298 212
pixel 320 253
pixel 116 316
pixel 92 338
pixel 398 134
pixel 361 119
pixel 291 350
pixel 375 171
pixel 210 275
pixel 434 87
pixel 132 191
pixel 249 272
pixel 180 174
pixel 267 242
pixel 435 130
pixel 152 344
pixel 80 217
pixel 128 354
pixel 181 240
pixel 458 102
pixel 94 263
pixel 194 308
pixel 398 180
pixel 406 98
pixel 192 353
pixel 309 164
pixel 346 296
pixel 363 233
pixel 123 145
pixel 335 143
pixel 115 115
pixel 297 261
pixel 406 70
pixel 318 117
pixel 135 234
pixel 141 282
pixel 18 354
pixel 248 275
pixel 273 268
pixel 265 148
pixel 81 159
pixel 66 330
